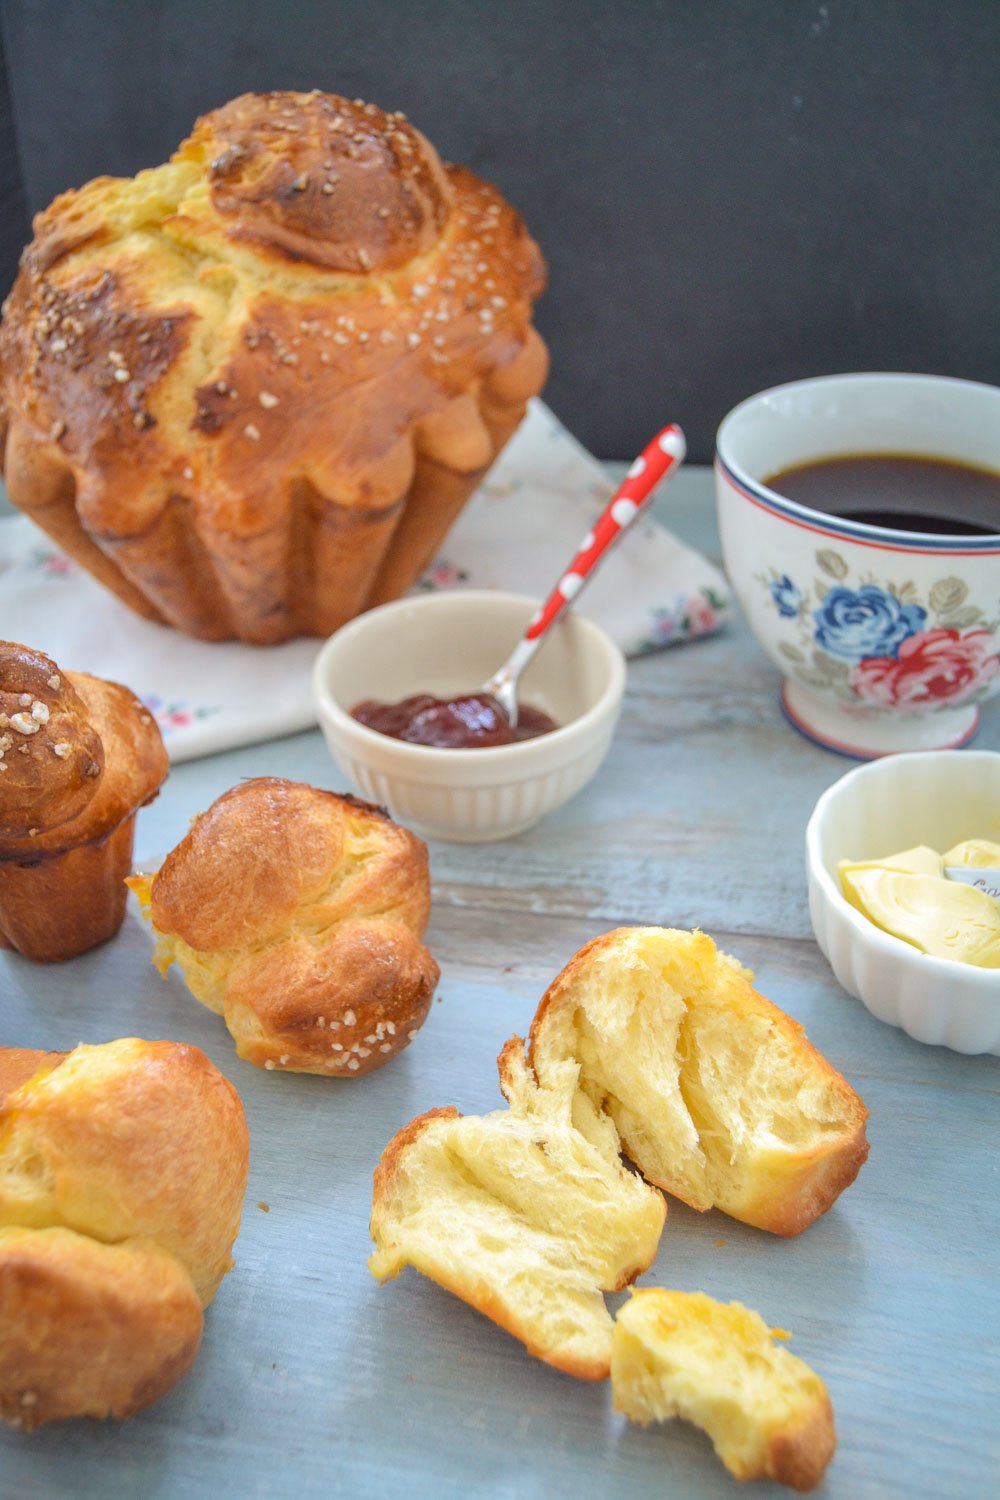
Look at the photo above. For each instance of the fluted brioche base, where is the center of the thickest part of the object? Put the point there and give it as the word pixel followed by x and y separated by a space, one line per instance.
pixel 231 378
pixel 320 565
pixel 436 499
pixel 67 903
pixel 37 473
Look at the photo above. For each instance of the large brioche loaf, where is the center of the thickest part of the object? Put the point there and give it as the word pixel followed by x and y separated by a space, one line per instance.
pixel 521 1215
pixel 681 1354
pixel 122 1174
pixel 251 389
pixel 78 757
pixel 297 915
pixel 717 1094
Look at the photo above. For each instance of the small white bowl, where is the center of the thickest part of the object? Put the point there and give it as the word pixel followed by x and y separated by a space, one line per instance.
pixel 931 797
pixel 448 643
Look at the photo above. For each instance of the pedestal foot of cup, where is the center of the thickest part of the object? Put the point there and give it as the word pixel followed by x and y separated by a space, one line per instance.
pixel 863 738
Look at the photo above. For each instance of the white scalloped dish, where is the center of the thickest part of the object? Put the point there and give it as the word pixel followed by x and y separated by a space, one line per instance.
pixel 935 798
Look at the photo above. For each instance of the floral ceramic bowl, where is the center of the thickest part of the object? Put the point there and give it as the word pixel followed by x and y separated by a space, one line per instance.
pixel 887 640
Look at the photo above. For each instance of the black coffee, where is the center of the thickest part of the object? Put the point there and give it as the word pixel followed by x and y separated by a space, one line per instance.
pixel 898 490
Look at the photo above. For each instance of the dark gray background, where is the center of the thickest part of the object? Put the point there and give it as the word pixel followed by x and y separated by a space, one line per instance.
pixel 730 193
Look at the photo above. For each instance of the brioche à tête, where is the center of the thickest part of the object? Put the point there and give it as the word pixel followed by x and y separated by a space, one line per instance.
pixel 122 1174
pixel 715 1364
pixel 717 1095
pixel 251 389
pixel 78 757
pixel 297 915
pixel 520 1214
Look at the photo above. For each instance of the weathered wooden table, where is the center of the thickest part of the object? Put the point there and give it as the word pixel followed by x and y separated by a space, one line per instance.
pixel 313 1381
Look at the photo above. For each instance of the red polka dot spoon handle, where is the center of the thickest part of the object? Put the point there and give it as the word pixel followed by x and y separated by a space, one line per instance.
pixel 658 461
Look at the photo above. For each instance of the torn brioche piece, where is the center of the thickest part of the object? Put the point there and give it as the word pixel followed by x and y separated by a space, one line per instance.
pixel 682 1354
pixel 520 1214
pixel 717 1095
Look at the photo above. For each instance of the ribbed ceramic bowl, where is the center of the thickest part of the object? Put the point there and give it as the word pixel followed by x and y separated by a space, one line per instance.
pixel 931 797
pixel 451 643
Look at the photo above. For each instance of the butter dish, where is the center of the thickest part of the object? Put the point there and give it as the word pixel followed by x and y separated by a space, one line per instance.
pixel 935 798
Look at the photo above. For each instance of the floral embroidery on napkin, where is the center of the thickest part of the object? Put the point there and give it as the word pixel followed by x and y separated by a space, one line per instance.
pixel 442 575
pixel 694 615
pixel 177 714
pixel 50 562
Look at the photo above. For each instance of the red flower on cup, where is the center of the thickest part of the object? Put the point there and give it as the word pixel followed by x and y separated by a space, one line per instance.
pixel 934 666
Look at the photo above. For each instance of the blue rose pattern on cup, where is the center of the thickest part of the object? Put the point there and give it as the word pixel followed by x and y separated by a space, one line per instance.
pixel 877 647
pixel 855 623
pixel 786 596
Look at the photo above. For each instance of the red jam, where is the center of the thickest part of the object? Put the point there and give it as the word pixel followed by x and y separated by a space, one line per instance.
pixel 469 721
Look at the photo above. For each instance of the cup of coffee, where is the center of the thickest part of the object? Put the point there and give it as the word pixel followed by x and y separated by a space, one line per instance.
pixel 860 524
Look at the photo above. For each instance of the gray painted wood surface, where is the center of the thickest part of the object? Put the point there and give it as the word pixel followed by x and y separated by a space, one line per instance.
pixel 313 1381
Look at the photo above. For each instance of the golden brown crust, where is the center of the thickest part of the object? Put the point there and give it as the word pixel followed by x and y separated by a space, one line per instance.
pixel 305 911
pixel 493 1306
pixel 135 767
pixel 122 1174
pixel 378 976
pixel 322 179
pixel 822 1178
pixel 18 1064
pixel 78 757
pixel 251 389
pixel 56 908
pixel 392 1156
pixel 681 1354
pixel 51 755
pixel 131 1139
pixel 800 1458
pixel 510 1064
pixel 90 1330
pixel 267 848
pixel 811 1181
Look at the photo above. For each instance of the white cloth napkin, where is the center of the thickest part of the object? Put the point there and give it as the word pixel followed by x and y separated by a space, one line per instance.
pixel 518 532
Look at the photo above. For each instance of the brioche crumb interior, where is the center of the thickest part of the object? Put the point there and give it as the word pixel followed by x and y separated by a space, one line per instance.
pixel 682 1354
pixel 697 1087
pixel 521 1216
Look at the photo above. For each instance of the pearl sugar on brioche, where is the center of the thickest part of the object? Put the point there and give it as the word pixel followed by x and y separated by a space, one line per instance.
pixel 78 757
pixel 297 915
pixel 251 389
